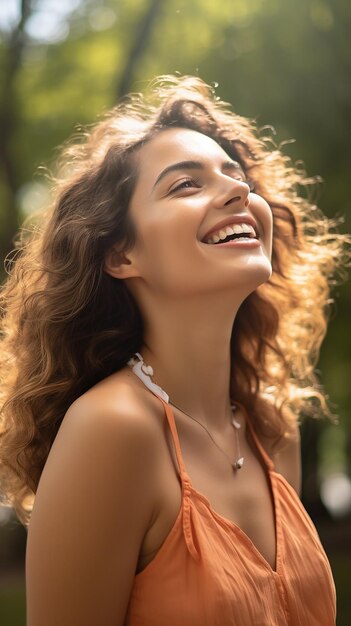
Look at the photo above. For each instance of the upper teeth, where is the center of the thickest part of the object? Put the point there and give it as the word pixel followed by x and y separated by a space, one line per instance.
pixel 234 229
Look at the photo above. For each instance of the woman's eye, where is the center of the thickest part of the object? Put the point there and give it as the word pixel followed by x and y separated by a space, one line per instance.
pixel 185 184
pixel 189 183
pixel 248 181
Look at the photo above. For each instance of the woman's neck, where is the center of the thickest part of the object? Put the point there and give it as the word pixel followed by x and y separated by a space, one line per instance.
pixel 189 352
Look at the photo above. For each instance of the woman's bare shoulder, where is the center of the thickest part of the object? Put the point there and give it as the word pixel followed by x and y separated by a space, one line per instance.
pixel 286 453
pixel 118 402
pixel 112 424
pixel 287 457
pixel 287 461
pixel 94 503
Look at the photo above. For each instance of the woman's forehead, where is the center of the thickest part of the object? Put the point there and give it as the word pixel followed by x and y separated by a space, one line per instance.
pixel 176 144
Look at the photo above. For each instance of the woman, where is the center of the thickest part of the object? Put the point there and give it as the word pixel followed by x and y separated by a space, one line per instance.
pixel 160 334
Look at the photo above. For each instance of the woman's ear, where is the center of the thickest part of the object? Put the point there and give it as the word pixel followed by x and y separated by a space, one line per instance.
pixel 120 265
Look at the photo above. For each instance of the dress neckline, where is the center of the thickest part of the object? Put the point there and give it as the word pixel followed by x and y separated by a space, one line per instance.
pixel 144 372
pixel 188 487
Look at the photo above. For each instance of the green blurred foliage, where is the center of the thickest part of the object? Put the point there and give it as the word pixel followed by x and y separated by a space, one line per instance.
pixel 286 64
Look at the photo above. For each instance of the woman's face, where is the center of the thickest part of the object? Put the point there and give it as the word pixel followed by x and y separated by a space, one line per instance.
pixel 187 184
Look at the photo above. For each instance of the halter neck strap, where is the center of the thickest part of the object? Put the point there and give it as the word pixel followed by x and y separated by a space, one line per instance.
pixel 144 372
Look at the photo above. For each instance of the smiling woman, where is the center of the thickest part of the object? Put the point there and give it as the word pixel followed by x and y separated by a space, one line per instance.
pixel 166 212
pixel 159 336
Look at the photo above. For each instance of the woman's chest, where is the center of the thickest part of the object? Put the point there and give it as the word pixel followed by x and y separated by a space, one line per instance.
pixel 241 497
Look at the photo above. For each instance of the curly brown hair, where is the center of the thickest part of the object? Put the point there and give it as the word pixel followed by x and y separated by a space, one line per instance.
pixel 67 324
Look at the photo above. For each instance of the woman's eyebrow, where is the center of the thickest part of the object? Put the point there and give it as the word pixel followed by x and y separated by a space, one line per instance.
pixel 193 165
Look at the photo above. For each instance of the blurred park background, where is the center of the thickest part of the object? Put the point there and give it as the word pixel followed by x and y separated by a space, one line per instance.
pixel 285 63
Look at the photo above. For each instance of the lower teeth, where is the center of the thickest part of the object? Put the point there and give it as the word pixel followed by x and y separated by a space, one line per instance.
pixel 238 239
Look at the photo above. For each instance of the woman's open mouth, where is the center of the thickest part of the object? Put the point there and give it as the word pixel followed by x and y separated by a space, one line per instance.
pixel 237 235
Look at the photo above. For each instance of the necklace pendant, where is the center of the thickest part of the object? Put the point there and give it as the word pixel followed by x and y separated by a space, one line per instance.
pixel 238 463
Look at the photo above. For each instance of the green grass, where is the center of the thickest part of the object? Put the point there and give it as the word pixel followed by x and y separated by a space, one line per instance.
pixel 12 606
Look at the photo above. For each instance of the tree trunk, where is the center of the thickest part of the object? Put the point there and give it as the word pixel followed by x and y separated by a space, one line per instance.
pixel 8 121
pixel 142 36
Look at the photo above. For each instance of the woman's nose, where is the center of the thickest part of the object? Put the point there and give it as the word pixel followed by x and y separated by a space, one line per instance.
pixel 233 192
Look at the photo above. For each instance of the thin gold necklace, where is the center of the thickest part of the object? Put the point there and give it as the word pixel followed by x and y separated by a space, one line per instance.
pixel 239 461
pixel 144 372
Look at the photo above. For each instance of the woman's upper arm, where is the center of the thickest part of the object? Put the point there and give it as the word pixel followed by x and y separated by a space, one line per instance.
pixel 94 503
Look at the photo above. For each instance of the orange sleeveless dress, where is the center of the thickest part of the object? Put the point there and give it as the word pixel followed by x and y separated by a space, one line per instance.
pixel 209 573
